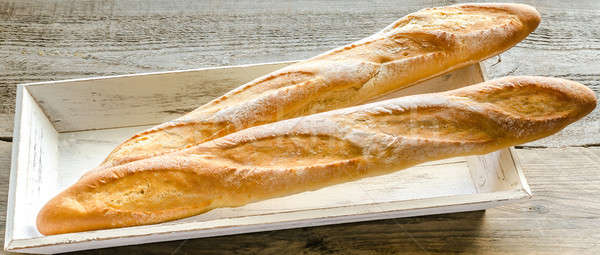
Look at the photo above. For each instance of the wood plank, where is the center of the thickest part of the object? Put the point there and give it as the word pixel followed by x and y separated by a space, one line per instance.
pixel 71 39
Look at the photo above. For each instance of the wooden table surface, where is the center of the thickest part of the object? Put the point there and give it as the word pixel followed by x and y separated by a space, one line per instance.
pixel 62 39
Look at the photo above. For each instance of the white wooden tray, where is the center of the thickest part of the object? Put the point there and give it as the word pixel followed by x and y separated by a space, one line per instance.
pixel 64 128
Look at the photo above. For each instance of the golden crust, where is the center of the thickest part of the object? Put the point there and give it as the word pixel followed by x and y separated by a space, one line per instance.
pixel 414 48
pixel 312 152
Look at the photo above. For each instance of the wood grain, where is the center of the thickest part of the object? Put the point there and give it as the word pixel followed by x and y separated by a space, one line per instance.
pixel 64 39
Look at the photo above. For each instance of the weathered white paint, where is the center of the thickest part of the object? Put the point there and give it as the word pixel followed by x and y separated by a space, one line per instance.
pixel 33 170
pixel 452 185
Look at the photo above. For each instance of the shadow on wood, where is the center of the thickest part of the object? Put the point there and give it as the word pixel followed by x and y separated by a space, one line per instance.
pixel 435 233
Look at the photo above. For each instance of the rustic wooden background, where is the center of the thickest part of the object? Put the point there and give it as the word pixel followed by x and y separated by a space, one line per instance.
pixel 62 39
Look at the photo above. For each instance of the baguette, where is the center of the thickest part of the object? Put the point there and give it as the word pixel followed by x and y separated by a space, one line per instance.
pixel 414 48
pixel 312 152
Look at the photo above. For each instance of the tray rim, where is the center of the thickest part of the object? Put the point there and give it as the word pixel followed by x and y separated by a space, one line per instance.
pixel 520 173
pixel 288 62
pixel 472 200
pixel 10 205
